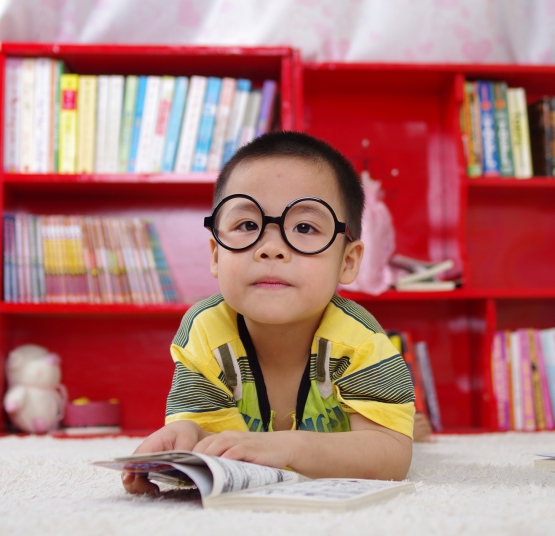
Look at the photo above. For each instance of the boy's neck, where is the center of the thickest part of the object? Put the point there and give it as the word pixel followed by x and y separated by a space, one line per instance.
pixel 281 346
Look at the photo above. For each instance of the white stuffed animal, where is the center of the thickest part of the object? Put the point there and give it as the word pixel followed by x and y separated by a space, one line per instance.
pixel 35 399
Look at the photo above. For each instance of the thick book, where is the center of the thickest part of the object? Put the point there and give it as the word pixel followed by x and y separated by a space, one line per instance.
pixel 265 120
pixel 224 483
pixel 207 122
pixel 490 156
pixel 544 385
pixel 27 149
pixel 148 124
pixel 520 132
pixel 191 124
pixel 167 88
pixel 236 117
pixel 12 113
pixel 248 128
pixel 42 123
pixel 502 130
pixel 127 115
pixel 427 375
pixel 540 136
pixel 68 123
pixel 470 126
pixel 527 395
pixel 86 121
pixel 137 120
pixel 539 410
pixel 113 125
pixel 174 123
pixel 500 380
pixel 102 96
pixel 222 118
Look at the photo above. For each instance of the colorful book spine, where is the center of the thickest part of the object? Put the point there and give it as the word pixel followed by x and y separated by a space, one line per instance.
pixel 42 119
pixel 236 118
pixel 34 283
pixel 222 118
pixel 537 395
pixel 40 259
pixel 68 123
pixel 86 123
pixel 113 126
pixel 8 266
pixel 529 418
pixel 500 381
pixel 544 385
pixel 55 95
pixel 148 124
pixel 167 88
pixel 174 123
pixel 129 100
pixel 540 136
pixel 27 149
pixel 426 373
pixel 490 157
pixel 137 119
pixel 207 122
pixel 547 337
pixel 170 294
pixel 251 115
pixel 191 124
pixel 469 134
pixel 520 132
pixel 267 108
pixel 516 375
pixel 502 130
pixel 12 113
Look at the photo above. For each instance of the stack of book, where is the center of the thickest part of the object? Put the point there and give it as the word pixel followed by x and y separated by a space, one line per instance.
pixel 503 136
pixel 417 358
pixel 416 275
pixel 78 259
pixel 523 375
pixel 56 122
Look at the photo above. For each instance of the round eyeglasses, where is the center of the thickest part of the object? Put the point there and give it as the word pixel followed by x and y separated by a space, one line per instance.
pixel 308 225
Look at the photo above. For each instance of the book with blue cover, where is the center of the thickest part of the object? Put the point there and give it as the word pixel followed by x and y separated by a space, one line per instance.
pixel 139 104
pixel 267 108
pixel 490 156
pixel 207 121
pixel 174 124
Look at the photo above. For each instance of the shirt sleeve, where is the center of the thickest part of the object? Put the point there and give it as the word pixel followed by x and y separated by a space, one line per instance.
pixel 377 385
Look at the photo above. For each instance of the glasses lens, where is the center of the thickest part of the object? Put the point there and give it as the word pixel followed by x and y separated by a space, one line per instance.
pixel 309 226
pixel 238 223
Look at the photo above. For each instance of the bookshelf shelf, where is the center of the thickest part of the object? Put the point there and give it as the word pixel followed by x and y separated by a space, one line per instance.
pixel 512 183
pixel 93 309
pixel 116 178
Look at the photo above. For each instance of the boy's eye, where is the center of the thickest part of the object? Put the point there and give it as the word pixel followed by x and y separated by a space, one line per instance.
pixel 304 228
pixel 248 226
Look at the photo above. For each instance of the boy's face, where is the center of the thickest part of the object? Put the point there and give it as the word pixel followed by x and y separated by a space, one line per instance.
pixel 270 283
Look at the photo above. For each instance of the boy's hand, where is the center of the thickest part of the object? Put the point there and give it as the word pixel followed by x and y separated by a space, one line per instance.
pixel 179 435
pixel 274 449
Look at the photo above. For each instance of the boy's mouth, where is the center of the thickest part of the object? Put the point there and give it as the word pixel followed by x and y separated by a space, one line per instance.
pixel 270 283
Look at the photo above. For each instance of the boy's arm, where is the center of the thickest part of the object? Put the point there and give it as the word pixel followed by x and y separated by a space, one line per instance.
pixel 367 451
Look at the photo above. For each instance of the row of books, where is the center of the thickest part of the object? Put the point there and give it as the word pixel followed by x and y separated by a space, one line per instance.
pixel 523 375
pixel 78 259
pixel 57 122
pixel 417 358
pixel 496 131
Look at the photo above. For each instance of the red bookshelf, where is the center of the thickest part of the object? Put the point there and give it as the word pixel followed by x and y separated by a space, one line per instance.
pixel 122 350
pixel 500 232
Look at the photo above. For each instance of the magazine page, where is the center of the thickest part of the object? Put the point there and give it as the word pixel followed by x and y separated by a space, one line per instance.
pixel 337 494
pixel 232 475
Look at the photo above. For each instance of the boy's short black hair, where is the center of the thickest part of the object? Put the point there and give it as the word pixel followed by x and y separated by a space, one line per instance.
pixel 300 145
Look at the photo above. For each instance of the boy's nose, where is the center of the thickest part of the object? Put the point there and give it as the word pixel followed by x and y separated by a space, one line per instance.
pixel 271 244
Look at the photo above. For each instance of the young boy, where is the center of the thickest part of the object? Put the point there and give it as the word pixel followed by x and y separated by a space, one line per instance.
pixel 278 350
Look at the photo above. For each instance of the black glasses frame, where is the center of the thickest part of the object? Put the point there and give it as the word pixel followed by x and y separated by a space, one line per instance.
pixel 340 227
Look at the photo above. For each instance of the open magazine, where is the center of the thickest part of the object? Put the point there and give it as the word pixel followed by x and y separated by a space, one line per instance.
pixel 224 483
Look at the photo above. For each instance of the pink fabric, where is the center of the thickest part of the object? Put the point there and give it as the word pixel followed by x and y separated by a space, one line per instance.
pixel 378 235
pixel 453 31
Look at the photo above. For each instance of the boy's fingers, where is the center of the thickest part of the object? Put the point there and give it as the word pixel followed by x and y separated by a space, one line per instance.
pixel 138 484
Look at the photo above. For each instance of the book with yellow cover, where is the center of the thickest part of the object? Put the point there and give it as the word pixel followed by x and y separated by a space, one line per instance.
pixel 86 121
pixel 69 84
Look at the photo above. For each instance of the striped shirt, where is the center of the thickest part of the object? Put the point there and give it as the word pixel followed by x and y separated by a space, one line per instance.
pixel 354 368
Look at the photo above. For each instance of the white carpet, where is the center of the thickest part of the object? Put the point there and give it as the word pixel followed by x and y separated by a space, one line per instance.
pixel 467 484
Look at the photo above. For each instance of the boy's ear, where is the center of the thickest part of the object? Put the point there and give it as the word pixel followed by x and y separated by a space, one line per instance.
pixel 352 258
pixel 213 257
